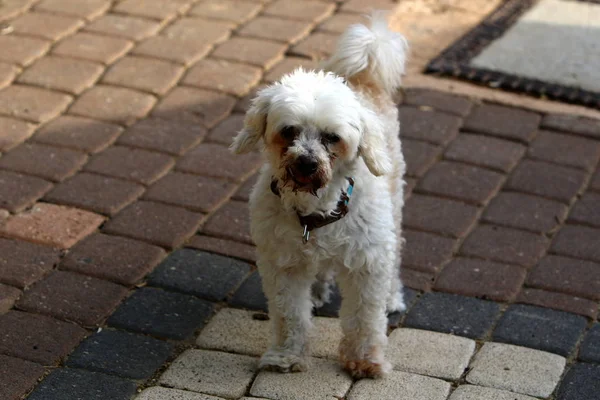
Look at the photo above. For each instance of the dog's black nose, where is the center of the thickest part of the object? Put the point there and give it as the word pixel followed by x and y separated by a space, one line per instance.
pixel 306 165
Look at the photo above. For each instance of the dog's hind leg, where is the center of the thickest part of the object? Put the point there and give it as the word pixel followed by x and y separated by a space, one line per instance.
pixel 322 288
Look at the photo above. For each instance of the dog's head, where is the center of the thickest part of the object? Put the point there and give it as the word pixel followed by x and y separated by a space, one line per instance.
pixel 310 124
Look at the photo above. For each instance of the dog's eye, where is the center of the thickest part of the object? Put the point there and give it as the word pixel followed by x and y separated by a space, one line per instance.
pixel 331 138
pixel 289 132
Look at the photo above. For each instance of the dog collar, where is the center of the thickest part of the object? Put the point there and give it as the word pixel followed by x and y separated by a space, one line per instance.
pixel 313 221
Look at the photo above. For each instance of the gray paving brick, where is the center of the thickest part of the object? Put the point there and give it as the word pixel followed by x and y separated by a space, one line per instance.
pixel 161 393
pixel 400 385
pixel 590 348
pixel 250 294
pixel 582 382
pixel 473 392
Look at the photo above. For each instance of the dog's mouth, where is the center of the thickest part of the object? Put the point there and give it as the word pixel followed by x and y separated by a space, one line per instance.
pixel 302 183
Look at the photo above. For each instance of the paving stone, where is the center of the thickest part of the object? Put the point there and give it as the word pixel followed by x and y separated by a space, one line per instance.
pixel 32 104
pixel 223 246
pixel 309 10
pixel 590 347
pixel 235 11
pixel 316 47
pixel 565 149
pixel 339 22
pixel 431 98
pixel 400 385
pixel 37 338
pixel 52 225
pixel 12 8
pixel 93 47
pixel 226 130
pixel 250 294
pixel 323 380
pixel 417 280
pixel 114 258
pixel 8 296
pixel 395 318
pixel 23 263
pixel 366 6
pixel 195 106
pixel 505 245
pixel 22 50
pixel 161 393
pixel 74 384
pixel 260 53
pixel 429 353
pixel 432 214
pixel 208 32
pixel 95 193
pixel 183 51
pixel 136 165
pixel 157 9
pixel 221 75
pixel 449 313
pixel 113 104
pixel 167 136
pixel 419 156
pixel 567 275
pixel 559 301
pixel 595 182
pixel 159 224
pixel 288 65
pixel 8 72
pixel 216 160
pixel 497 154
pixel 161 313
pixel 586 210
pixel 483 279
pixel 154 76
pixel 426 252
pixel 214 373
pixel 473 392
pixel 572 124
pixel 232 221
pixel 273 28
pixel 511 123
pixel 243 193
pixel 124 26
pixel 580 383
pixel 17 377
pixel 18 192
pixel 120 353
pixel 45 26
pixel 579 242
pixel 243 104
pixel 546 180
pixel 430 126
pixel 88 9
pixel 13 132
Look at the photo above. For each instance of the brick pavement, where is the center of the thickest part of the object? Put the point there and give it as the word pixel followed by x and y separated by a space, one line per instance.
pixel 126 264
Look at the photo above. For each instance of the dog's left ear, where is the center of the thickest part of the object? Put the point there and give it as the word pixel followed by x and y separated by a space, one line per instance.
pixel 255 124
pixel 372 147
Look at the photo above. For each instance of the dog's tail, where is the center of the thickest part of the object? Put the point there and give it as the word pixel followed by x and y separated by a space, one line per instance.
pixel 378 51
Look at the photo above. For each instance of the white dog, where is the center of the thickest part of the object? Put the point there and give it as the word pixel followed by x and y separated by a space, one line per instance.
pixel 329 198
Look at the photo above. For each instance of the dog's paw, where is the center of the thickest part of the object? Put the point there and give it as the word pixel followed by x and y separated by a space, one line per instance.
pixel 281 361
pixel 367 369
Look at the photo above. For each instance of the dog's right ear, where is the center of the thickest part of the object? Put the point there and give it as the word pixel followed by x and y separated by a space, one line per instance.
pixel 255 124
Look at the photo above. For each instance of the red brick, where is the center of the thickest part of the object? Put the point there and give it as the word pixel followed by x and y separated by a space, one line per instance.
pixel 500 155
pixel 8 72
pixel 281 30
pixel 159 224
pixel 366 6
pixel 317 46
pixel 572 124
pixel 449 103
pixel 157 9
pixel 133 164
pixel 287 65
pixel 430 126
pixel 223 246
pixel 22 50
pixel 183 51
pixel 13 132
pixel 144 74
pixel 546 180
pixel 17 377
pixel 243 193
pixel 37 338
pixel 93 47
pixel 18 192
pixel 45 26
pixel 44 161
pixel 65 74
pixel 117 259
pixel 226 130
pixel 559 301
pixel 230 10
pixel 216 160
pixel 586 210
pixel 232 221
pixel 73 297
pixel 32 104
pixel 505 245
pixel 511 123
pixel 483 279
pixel 308 10
pixel 88 9
pixel 257 52
pixel 565 149
pixel 462 182
pixel 419 156
pixel 416 279
pixel 8 296
pixel 426 252
pixel 78 133
pixel 339 22
pixel 525 212
pixel 567 275
pixel 195 106
pixel 124 26
pixel 221 75
pixel 23 263
pixel 207 32
pixel 433 214
pixel 579 242
pixel 195 192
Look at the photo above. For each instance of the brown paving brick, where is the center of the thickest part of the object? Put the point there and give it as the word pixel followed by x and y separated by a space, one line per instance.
pixel 113 104
pixel 417 280
pixel 594 183
pixel 47 162
pixel 12 8
pixel 409 187
pixel 20 191
pixel 88 9
pixel 224 76
pixel 460 181
pixel 8 297
pixel 287 65
pixel 317 46
pixel 567 275
pixel 497 154
pixel 430 126
pixel 8 72
pixel 559 301
pixel 243 192
pixel 114 258
pixel 230 10
pixel 158 9
pixel 586 210
pixel 124 26
pixel 257 52
pixel 167 136
pixel 224 247
pixel 547 180
pixel 505 245
pixel 78 133
pixel 483 279
pixel 443 216
pixel 207 32
pixel 512 123
pixel 52 225
pixel 426 252
pixel 216 160
pixel 232 221
pixel 195 192
pixel 159 224
pixel 244 103
pixel 132 164
pixel 366 6
pixel 273 28
pixel 195 106
pixel 32 104
pixel 572 124
pixel 419 156
pixel 60 73
pixel 95 193
pixel 226 130
pixel 145 74
pixel 13 132
pixel 73 297
pixel 89 46
pixel 22 263
pixel 578 241
pixel 46 26
pixel 339 22
pixel 22 50
pixel 183 51
pixel 565 149
pixel 37 338
pixel 526 212
pixel 3 215
pixel 449 103
pixel 308 10
pixel 17 377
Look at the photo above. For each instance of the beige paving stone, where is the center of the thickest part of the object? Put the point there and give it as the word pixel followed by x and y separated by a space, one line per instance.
pixel 472 392
pixel 230 10
pixel 13 132
pixel 317 46
pixel 257 52
pixel 22 50
pixel 31 103
pixel 400 385
pixel 340 22
pixel 516 369
pixel 207 32
pixel 275 28
pixel 7 74
pixel 183 51
pixel 93 47
pixel 308 10
pixel 124 26
pixel 157 9
pixel 12 8
pixel 211 372
pixel 145 74
pixel 324 380
pixel 45 26
pixel 88 9
pixel 430 353
pixel 61 73
pixel 161 393
pixel 287 65
pixel 221 75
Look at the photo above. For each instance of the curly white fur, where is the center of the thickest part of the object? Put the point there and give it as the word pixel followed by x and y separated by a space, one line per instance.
pixel 362 250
